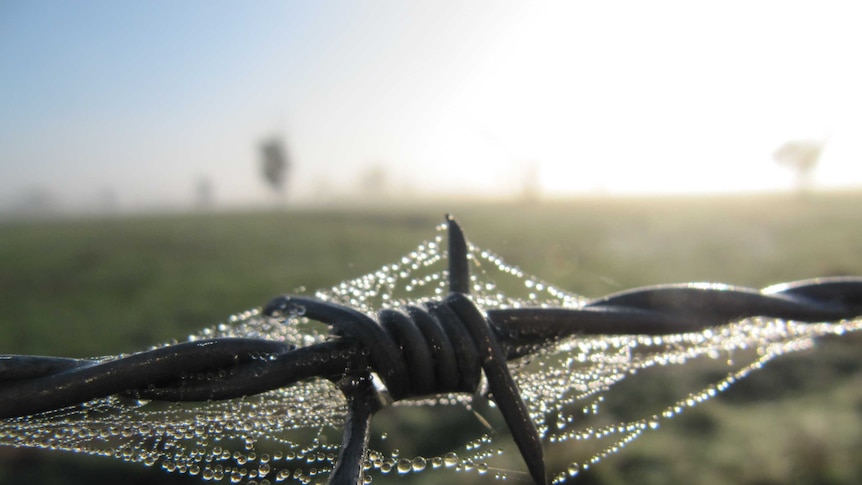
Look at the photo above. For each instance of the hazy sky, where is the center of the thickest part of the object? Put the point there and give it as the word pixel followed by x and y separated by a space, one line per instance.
pixel 143 99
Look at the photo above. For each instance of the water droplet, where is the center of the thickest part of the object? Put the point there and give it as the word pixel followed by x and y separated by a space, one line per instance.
pixel 450 459
pixel 404 465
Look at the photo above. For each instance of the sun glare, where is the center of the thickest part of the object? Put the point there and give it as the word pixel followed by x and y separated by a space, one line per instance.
pixel 655 98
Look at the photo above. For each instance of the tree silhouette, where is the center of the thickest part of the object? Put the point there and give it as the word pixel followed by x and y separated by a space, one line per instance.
pixel 204 193
pixel 802 156
pixel 275 164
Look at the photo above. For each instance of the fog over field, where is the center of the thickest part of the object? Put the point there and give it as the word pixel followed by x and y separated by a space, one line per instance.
pixel 125 107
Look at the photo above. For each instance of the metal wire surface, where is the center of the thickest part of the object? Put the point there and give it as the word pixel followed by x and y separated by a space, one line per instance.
pixel 429 348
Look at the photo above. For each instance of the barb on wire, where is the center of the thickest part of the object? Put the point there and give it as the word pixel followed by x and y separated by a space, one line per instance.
pixel 433 347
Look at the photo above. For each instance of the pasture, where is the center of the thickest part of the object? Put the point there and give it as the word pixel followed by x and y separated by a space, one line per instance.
pixel 98 286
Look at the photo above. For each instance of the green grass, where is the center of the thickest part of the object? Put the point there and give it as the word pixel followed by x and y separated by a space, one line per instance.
pixel 85 287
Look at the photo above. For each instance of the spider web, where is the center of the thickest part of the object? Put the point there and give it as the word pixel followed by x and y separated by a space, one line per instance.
pixel 294 433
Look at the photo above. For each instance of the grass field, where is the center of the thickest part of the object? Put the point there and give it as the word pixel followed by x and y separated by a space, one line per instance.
pixel 98 286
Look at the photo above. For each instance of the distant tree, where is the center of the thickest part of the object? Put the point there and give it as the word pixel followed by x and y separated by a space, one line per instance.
pixel 107 200
pixel 373 182
pixel 204 193
pixel 802 156
pixel 530 185
pixel 275 164
pixel 37 201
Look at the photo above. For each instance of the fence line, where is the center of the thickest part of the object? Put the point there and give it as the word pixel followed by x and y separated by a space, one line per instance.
pixel 429 348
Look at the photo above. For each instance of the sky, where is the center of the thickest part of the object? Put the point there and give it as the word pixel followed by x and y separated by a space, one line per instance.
pixel 134 103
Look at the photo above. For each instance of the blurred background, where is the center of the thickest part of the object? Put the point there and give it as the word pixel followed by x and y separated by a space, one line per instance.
pixel 124 107
pixel 165 164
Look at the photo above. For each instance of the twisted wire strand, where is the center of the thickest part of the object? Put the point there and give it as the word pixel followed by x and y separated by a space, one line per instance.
pixel 669 309
pixel 429 348
pixel 25 387
pixel 402 351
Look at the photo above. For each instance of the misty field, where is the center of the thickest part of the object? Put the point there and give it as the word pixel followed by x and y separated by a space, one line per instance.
pixel 100 286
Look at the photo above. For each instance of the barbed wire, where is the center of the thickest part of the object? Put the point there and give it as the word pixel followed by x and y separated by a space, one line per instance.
pixel 424 349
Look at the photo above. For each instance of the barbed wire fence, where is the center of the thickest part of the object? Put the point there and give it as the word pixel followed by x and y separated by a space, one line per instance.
pixel 433 347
